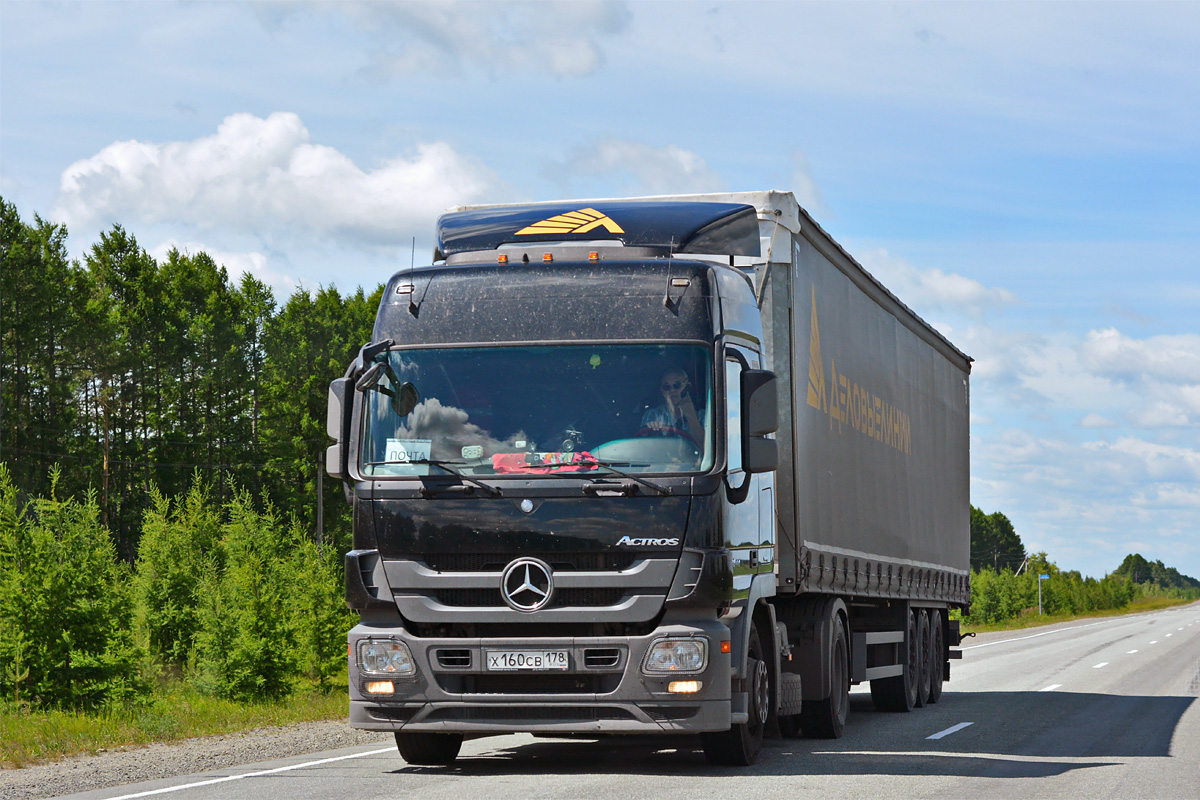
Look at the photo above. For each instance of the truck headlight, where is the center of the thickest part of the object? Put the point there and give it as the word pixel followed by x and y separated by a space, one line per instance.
pixel 385 657
pixel 676 655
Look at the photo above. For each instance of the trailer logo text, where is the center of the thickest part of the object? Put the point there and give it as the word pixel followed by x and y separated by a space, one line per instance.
pixel 581 221
pixel 849 403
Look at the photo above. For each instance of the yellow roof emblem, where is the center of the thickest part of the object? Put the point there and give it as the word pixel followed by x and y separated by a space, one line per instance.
pixel 581 221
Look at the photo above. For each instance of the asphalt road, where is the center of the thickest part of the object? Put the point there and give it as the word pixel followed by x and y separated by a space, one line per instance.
pixel 1086 709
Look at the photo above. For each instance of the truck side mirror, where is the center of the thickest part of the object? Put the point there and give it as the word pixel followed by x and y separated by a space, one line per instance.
pixel 760 417
pixel 337 425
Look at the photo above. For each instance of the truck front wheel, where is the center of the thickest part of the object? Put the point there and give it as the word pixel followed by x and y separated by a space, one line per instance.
pixel 428 749
pixel 825 719
pixel 740 745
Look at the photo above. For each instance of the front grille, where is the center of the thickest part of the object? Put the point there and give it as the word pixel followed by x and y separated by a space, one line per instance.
pixel 393 713
pixel 530 683
pixel 600 657
pixel 454 659
pixel 561 562
pixel 535 714
pixel 670 713
pixel 563 598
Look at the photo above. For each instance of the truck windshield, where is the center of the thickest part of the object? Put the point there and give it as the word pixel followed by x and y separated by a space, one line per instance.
pixel 548 410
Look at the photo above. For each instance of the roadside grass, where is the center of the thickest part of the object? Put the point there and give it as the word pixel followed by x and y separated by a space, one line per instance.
pixel 1029 618
pixel 175 712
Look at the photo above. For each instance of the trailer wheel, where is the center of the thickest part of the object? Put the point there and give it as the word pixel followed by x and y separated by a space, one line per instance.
pixel 937 656
pixel 740 745
pixel 825 719
pixel 925 652
pixel 428 749
pixel 900 692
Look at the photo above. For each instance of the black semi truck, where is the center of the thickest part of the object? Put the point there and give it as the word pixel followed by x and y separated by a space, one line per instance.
pixel 659 465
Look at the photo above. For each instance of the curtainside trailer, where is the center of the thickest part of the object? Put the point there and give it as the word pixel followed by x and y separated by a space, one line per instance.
pixel 671 465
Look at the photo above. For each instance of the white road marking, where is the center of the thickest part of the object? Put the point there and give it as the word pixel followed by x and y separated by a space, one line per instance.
pixel 227 778
pixel 1035 635
pixel 950 730
pixel 1169 635
pixel 1131 652
pixel 1155 641
pixel 1101 664
pixel 1051 687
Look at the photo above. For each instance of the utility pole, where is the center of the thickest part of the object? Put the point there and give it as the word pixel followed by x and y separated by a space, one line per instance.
pixel 320 506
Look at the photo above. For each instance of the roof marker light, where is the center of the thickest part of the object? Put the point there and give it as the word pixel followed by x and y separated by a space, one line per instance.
pixel 680 281
pixel 404 288
pixel 548 257
pixel 503 258
pixel 593 256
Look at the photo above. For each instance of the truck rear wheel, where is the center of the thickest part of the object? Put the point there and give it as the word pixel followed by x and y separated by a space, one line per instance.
pixel 937 656
pixel 825 719
pixel 899 693
pixel 428 749
pixel 740 745
pixel 925 651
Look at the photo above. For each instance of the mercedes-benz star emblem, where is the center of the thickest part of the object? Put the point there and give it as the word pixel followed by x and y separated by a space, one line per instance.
pixel 527 584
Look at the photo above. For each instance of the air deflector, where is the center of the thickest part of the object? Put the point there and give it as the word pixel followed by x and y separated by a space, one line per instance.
pixel 674 227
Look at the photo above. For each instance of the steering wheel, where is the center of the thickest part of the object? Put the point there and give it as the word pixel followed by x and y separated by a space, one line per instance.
pixel 667 431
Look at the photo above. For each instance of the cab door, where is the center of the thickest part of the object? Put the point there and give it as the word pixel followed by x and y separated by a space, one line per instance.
pixel 749 515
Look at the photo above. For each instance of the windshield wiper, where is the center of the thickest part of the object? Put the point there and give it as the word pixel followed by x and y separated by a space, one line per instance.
pixel 611 466
pixel 444 465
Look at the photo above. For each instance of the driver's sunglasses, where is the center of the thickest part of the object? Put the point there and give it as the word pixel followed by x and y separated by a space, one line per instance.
pixel 674 387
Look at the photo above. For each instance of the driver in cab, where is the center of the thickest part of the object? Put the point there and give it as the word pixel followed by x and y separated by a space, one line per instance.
pixel 677 414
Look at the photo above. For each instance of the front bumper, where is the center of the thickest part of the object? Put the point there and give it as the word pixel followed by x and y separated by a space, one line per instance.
pixel 603 690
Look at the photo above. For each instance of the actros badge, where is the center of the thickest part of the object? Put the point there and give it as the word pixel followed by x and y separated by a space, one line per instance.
pixel 628 541
pixel 527 584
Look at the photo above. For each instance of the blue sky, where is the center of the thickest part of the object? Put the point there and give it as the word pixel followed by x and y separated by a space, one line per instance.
pixel 1025 175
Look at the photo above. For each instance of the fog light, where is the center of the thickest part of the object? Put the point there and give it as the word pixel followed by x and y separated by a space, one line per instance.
pixel 676 655
pixel 684 687
pixel 385 657
pixel 381 687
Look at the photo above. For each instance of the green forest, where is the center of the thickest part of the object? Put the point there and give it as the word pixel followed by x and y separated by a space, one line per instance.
pixel 160 491
pixel 162 512
pixel 133 375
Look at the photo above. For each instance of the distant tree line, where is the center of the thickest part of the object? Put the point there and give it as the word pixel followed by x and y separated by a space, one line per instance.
pixel 1005 579
pixel 1139 570
pixel 131 373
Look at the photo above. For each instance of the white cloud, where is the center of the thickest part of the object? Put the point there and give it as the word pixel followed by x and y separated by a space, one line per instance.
pixel 259 176
pixel 1169 495
pixel 928 290
pixel 1092 502
pixel 804 186
pixel 1159 461
pixel 1171 359
pixel 563 38
pixel 638 168
pixel 1094 420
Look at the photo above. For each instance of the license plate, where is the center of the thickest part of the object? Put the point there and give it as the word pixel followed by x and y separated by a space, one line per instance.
pixel 533 660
